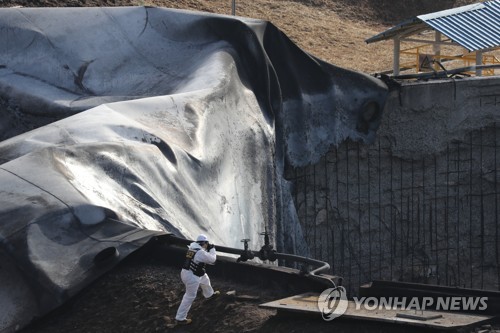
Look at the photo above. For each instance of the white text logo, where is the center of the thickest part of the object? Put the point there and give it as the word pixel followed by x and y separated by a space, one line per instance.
pixel 455 303
pixel 332 303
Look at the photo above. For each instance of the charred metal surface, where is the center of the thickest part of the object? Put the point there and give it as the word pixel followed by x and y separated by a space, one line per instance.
pixel 307 303
pixel 379 289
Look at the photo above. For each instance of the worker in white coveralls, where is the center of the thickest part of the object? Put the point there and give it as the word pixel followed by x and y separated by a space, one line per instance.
pixel 193 275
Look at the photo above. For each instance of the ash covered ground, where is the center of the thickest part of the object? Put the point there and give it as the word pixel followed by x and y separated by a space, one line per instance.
pixel 142 295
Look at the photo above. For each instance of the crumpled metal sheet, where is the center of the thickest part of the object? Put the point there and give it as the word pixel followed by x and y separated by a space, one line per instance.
pixel 118 124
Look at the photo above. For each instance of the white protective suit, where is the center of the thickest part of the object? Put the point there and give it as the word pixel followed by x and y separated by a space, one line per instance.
pixel 192 282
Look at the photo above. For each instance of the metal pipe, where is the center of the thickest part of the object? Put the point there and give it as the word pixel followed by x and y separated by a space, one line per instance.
pixel 369 218
pixel 358 176
pixel 436 218
pixel 306 219
pixel 323 266
pixel 315 212
pixel 471 197
pixel 497 238
pixel 401 221
pixel 446 216
pixel 327 195
pixel 391 212
pixel 482 210
pixel 348 245
pixel 444 74
pixel 459 274
pixel 411 221
pixel 423 202
pixel 380 214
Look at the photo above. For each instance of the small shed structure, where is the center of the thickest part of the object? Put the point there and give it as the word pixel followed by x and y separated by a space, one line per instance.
pixel 476 28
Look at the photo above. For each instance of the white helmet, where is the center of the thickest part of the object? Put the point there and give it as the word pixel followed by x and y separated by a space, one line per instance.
pixel 202 238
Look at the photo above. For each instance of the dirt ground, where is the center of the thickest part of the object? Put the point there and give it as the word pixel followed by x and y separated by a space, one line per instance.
pixel 332 30
pixel 142 294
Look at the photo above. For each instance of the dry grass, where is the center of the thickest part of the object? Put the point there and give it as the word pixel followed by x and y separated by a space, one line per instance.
pixel 332 30
pixel 318 30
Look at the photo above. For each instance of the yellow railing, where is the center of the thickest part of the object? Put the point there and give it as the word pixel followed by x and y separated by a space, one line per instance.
pixel 420 63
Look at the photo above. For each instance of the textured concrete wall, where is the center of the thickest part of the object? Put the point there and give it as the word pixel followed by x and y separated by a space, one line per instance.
pixel 422 203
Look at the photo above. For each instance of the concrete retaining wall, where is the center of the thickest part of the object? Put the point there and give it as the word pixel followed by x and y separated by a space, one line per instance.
pixel 422 204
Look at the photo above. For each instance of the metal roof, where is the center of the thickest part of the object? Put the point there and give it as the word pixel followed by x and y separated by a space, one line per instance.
pixel 475 27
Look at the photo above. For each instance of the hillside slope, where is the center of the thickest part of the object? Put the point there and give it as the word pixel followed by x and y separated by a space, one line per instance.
pixel 334 31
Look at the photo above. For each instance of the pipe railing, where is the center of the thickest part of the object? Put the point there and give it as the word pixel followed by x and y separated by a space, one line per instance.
pixel 322 266
pixel 445 73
